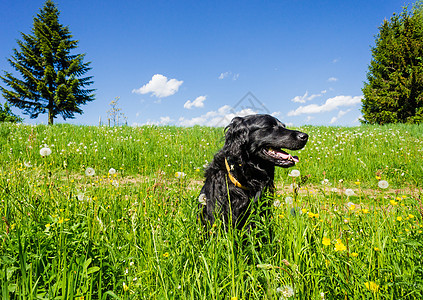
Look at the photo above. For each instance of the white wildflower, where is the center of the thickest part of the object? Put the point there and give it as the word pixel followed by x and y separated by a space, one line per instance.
pixel 112 171
pixel 326 182
pixel 180 174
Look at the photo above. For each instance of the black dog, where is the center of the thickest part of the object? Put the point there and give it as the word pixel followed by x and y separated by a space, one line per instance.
pixel 245 167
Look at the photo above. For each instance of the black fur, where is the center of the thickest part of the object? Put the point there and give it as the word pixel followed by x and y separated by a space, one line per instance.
pixel 247 141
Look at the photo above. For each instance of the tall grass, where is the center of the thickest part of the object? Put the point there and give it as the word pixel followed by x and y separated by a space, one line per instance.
pixel 135 235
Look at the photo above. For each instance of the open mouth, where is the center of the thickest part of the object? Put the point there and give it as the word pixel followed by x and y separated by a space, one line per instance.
pixel 281 157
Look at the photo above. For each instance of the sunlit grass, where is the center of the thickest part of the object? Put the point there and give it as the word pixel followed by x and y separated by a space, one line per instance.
pixel 111 213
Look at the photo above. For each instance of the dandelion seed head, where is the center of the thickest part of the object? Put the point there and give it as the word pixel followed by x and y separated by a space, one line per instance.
pixel 45 151
pixel 294 173
pixel 90 171
pixel 349 192
pixel 289 200
pixel 383 184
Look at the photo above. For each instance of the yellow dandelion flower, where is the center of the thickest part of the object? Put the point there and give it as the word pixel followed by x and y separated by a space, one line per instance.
pixel 395 240
pixel 399 219
pixel 354 254
pixel 312 215
pixel 326 241
pixel 411 216
pixel 339 246
pixel 376 249
pixel 304 210
pixel 60 220
pixel 365 211
pixel 166 254
pixel 48 225
pixel 372 286
pixel 125 287
pixel 393 202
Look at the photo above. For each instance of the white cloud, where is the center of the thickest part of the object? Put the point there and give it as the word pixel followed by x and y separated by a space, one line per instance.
pixel 306 97
pixel 160 86
pixel 221 117
pixel 224 75
pixel 198 102
pixel 341 113
pixel 227 74
pixel 332 79
pixel 330 104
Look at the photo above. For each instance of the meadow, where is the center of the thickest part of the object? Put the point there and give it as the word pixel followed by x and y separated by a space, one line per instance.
pixel 111 213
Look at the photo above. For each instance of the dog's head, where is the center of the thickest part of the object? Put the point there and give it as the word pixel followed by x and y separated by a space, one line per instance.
pixel 263 137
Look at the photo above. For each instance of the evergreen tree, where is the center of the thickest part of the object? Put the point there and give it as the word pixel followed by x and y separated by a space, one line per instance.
pixel 394 91
pixel 50 75
pixel 6 114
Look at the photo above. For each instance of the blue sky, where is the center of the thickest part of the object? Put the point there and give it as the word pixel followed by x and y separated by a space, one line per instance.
pixel 203 62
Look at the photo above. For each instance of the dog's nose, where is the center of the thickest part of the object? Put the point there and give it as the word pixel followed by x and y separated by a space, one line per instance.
pixel 302 136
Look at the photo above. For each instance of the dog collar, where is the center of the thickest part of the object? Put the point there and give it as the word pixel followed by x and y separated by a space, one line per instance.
pixel 233 179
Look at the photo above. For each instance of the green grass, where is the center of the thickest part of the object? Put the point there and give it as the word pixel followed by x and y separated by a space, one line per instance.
pixel 135 235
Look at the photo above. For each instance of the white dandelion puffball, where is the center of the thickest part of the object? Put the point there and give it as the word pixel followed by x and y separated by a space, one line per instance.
pixel 45 151
pixel 289 200
pixel 202 199
pixel 276 203
pixel 90 172
pixel 27 164
pixel 349 192
pixel 383 184
pixel 286 291
pixel 294 173
pixel 112 171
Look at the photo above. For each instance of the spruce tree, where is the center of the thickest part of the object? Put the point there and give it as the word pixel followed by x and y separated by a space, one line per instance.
pixel 6 114
pixel 394 91
pixel 50 80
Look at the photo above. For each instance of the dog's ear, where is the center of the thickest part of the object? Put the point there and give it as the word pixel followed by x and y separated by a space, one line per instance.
pixel 236 137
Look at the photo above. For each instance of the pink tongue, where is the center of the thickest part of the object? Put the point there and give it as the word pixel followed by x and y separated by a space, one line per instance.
pixel 288 156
